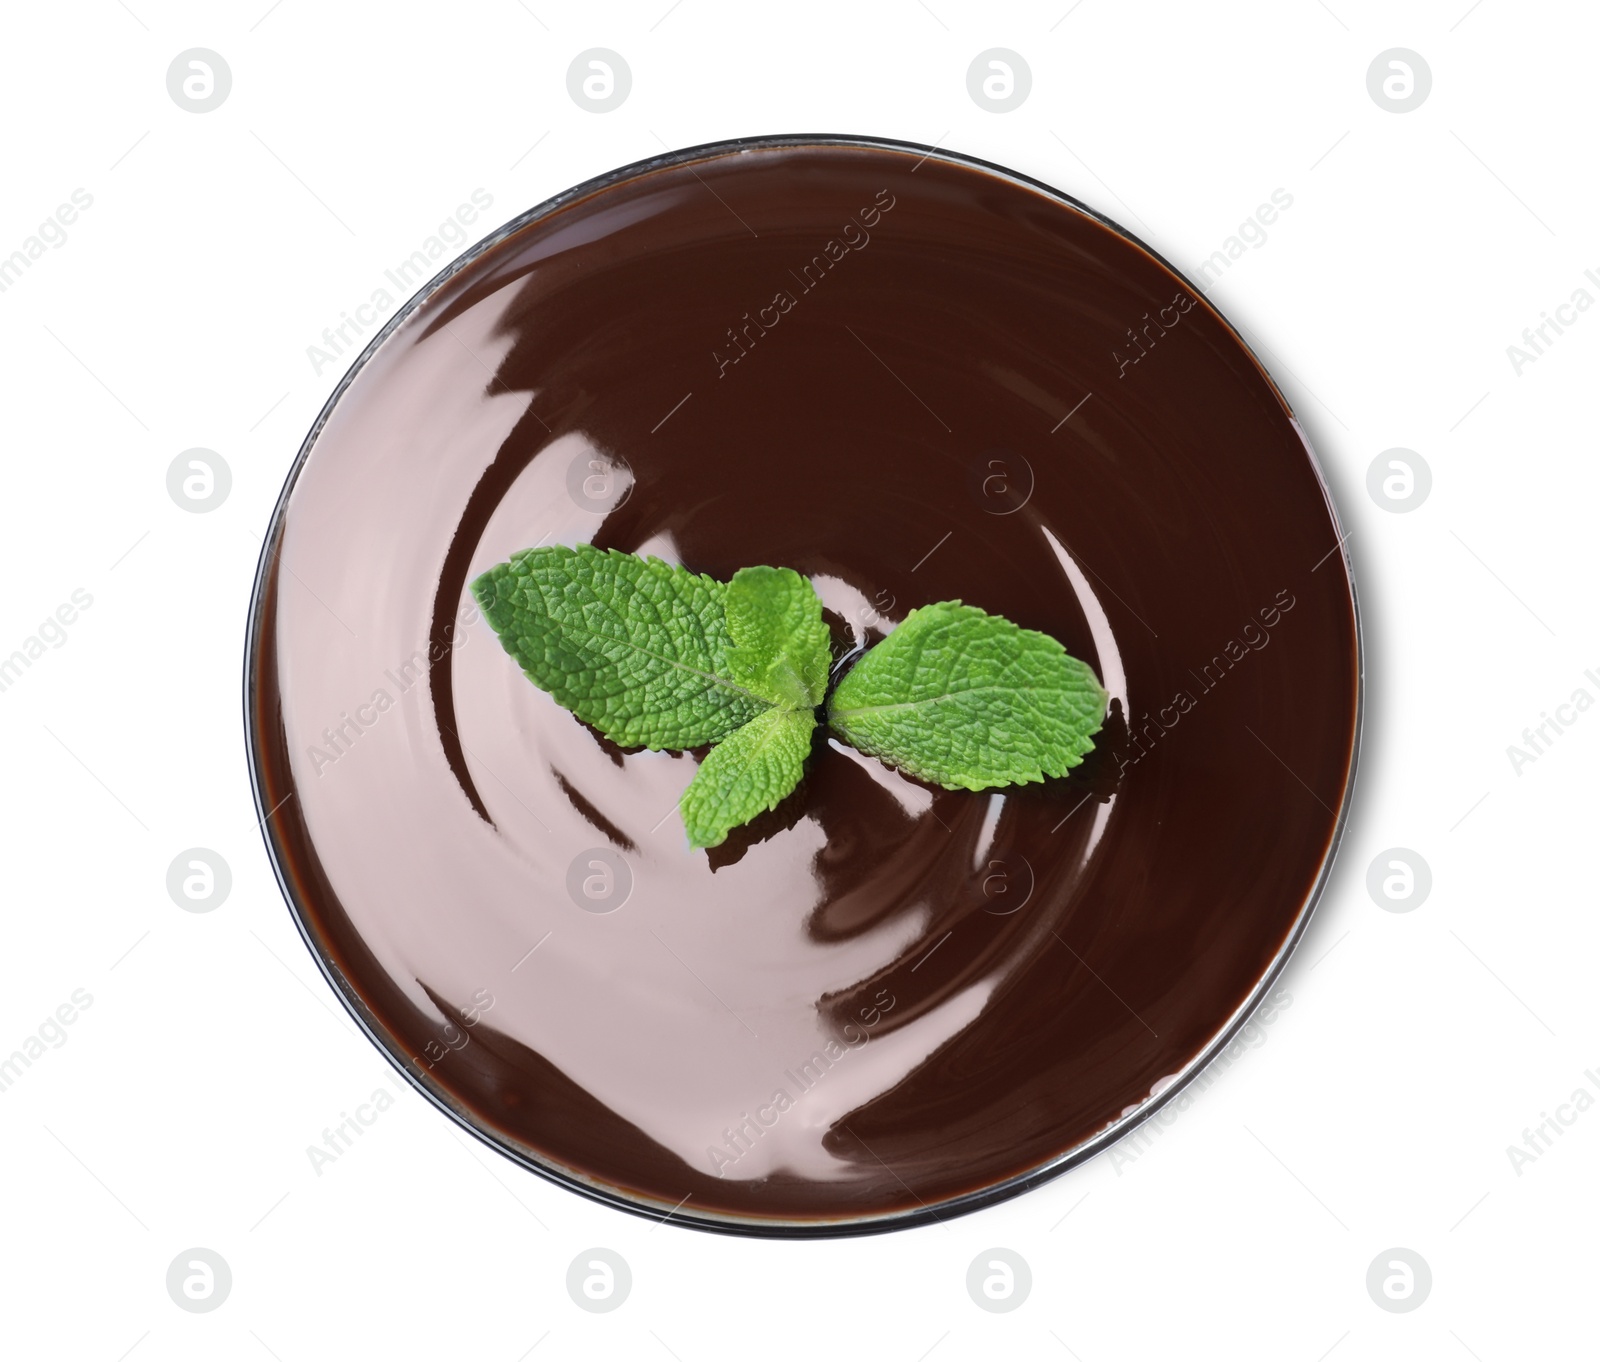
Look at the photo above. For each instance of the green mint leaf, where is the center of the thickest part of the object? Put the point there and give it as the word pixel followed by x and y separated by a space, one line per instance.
pixel 747 773
pixel 969 700
pixel 780 644
pixel 631 645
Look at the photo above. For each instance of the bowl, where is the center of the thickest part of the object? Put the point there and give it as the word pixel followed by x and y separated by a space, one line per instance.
pixel 911 376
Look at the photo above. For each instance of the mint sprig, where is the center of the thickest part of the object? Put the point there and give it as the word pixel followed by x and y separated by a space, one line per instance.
pixel 657 656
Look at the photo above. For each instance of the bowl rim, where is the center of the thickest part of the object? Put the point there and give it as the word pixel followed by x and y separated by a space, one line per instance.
pixel 637 1203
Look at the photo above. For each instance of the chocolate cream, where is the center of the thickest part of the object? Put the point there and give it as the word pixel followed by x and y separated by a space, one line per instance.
pixel 912 378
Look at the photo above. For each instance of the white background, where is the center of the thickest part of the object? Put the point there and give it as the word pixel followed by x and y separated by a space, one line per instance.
pixel 1378 1108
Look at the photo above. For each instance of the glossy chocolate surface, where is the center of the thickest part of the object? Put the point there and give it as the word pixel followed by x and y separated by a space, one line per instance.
pixel 911 379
